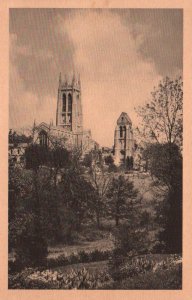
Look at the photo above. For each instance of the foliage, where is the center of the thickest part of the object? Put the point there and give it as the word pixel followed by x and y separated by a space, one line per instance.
pixel 121 197
pixel 100 181
pixel 78 196
pixel 145 218
pixel 36 156
pixel 15 138
pixel 140 272
pixel 112 168
pixel 165 164
pixel 80 257
pixel 64 260
pixel 87 160
pixel 47 279
pixel 29 242
pixel 162 279
pixel 162 116
pixel 109 160
pixel 129 162
pixel 135 265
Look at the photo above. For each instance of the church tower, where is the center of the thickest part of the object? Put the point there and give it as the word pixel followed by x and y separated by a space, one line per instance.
pixel 69 107
pixel 123 141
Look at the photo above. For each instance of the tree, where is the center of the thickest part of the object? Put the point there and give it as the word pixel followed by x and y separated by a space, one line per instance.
pixel 78 195
pixel 26 234
pixel 100 180
pixel 129 162
pixel 35 242
pixel 165 164
pixel 109 160
pixel 87 161
pixel 162 117
pixel 58 159
pixel 121 195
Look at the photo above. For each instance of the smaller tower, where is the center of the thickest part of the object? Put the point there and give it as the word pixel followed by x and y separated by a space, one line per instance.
pixel 123 141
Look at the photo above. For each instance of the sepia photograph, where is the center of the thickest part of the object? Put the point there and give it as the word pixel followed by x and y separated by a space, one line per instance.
pixel 95 149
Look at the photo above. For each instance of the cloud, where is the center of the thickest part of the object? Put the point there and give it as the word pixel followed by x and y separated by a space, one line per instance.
pixel 115 77
pixel 120 54
pixel 24 106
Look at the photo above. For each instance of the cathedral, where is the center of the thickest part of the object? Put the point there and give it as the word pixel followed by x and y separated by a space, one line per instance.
pixel 124 143
pixel 68 131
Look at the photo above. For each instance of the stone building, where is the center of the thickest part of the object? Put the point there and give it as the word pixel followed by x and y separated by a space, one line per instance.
pixel 68 131
pixel 123 141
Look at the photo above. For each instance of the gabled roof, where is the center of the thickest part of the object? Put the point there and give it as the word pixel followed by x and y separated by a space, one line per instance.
pixel 124 119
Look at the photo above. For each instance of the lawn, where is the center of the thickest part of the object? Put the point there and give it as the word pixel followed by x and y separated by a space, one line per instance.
pixel 101 245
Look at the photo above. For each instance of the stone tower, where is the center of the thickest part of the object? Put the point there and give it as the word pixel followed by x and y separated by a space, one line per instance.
pixel 123 141
pixel 69 107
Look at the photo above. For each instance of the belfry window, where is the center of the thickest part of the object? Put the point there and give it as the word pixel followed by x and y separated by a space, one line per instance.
pixel 64 103
pixel 121 132
pixel 69 103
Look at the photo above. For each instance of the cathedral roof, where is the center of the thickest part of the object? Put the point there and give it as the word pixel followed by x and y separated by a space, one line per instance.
pixel 124 119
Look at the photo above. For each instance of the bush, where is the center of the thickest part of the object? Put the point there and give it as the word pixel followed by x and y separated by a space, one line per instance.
pixel 170 279
pixel 35 279
pixel 30 245
pixel 135 266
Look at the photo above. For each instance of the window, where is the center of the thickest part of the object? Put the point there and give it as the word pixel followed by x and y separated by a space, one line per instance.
pixel 64 119
pixel 64 103
pixel 124 130
pixel 69 103
pixel 121 132
pixel 43 139
pixel 69 118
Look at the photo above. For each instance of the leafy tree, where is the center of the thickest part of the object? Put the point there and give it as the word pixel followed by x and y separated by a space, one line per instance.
pixel 78 195
pixel 130 241
pixel 16 139
pixel 112 168
pixel 109 160
pixel 36 156
pixel 87 161
pixel 165 164
pixel 145 219
pixel 162 117
pixel 100 180
pixel 129 162
pixel 121 195
pixel 58 159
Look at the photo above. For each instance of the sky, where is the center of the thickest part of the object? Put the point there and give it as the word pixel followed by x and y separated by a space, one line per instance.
pixel 121 54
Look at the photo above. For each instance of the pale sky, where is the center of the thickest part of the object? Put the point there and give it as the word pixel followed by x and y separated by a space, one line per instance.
pixel 121 54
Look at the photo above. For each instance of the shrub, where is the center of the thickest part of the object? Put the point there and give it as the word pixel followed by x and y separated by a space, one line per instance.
pixel 30 245
pixel 160 280
pixel 135 266
pixel 35 279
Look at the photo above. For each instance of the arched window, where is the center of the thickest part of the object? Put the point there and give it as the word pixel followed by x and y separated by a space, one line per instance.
pixel 43 139
pixel 124 130
pixel 64 103
pixel 121 132
pixel 69 103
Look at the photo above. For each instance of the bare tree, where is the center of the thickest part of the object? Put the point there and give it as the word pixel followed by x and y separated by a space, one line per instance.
pixel 100 181
pixel 162 117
